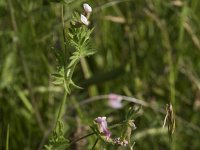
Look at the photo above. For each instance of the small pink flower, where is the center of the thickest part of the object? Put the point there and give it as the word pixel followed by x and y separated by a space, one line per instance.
pixel 103 126
pixel 114 101
pixel 121 142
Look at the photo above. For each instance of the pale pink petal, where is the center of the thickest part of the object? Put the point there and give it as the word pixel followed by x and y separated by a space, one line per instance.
pixel 103 126
pixel 114 101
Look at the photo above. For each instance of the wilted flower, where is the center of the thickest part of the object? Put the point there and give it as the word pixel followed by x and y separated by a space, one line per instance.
pixel 132 124
pixel 114 101
pixel 103 126
pixel 87 8
pixel 84 20
pixel 120 142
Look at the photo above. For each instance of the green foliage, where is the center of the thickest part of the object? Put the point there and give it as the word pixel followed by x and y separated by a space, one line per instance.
pixel 58 141
pixel 79 39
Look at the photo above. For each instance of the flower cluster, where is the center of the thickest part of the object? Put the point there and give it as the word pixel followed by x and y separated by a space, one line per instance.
pixel 106 134
pixel 120 142
pixel 87 10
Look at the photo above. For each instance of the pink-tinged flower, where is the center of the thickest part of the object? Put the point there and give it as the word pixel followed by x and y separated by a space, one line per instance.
pixel 103 126
pixel 87 8
pixel 120 142
pixel 84 20
pixel 114 101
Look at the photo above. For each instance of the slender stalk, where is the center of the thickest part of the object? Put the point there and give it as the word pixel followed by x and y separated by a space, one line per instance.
pixel 62 107
pixel 79 139
pixel 64 37
pixel 95 144
pixel 7 137
pixel 117 125
pixel 126 98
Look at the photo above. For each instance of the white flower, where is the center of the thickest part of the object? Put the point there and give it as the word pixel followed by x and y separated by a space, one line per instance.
pixel 114 101
pixel 87 8
pixel 84 20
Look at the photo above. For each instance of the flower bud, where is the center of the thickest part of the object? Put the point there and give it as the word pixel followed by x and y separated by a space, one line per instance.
pixel 87 8
pixel 84 20
pixel 132 124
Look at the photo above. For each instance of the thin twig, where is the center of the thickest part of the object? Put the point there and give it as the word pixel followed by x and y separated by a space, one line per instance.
pixel 95 144
pixel 63 30
pixel 79 139
pixel 95 98
pixel 126 98
pixel 134 100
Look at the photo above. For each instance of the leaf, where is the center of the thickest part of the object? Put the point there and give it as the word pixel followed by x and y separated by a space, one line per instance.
pixel 24 100
pixel 57 82
pixel 58 78
pixel 7 74
pixel 57 75
pixel 73 62
pixel 74 85
pixel 66 86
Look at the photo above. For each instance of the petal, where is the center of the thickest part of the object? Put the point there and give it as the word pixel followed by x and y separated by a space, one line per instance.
pixel 103 126
pixel 84 20
pixel 114 101
pixel 87 8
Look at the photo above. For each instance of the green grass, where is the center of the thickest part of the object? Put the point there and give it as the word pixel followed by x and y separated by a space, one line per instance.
pixel 145 49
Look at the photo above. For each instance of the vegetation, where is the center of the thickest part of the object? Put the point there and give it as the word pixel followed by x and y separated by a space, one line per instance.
pixel 127 76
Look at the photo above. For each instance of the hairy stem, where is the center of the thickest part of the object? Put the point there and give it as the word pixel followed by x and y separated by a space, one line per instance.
pixel 62 107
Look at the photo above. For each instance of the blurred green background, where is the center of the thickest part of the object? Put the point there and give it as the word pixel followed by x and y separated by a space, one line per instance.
pixel 148 49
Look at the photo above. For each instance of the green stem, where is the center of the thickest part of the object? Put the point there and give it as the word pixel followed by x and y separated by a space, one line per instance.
pixel 7 137
pixel 62 107
pixel 64 37
pixel 95 144
pixel 117 125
